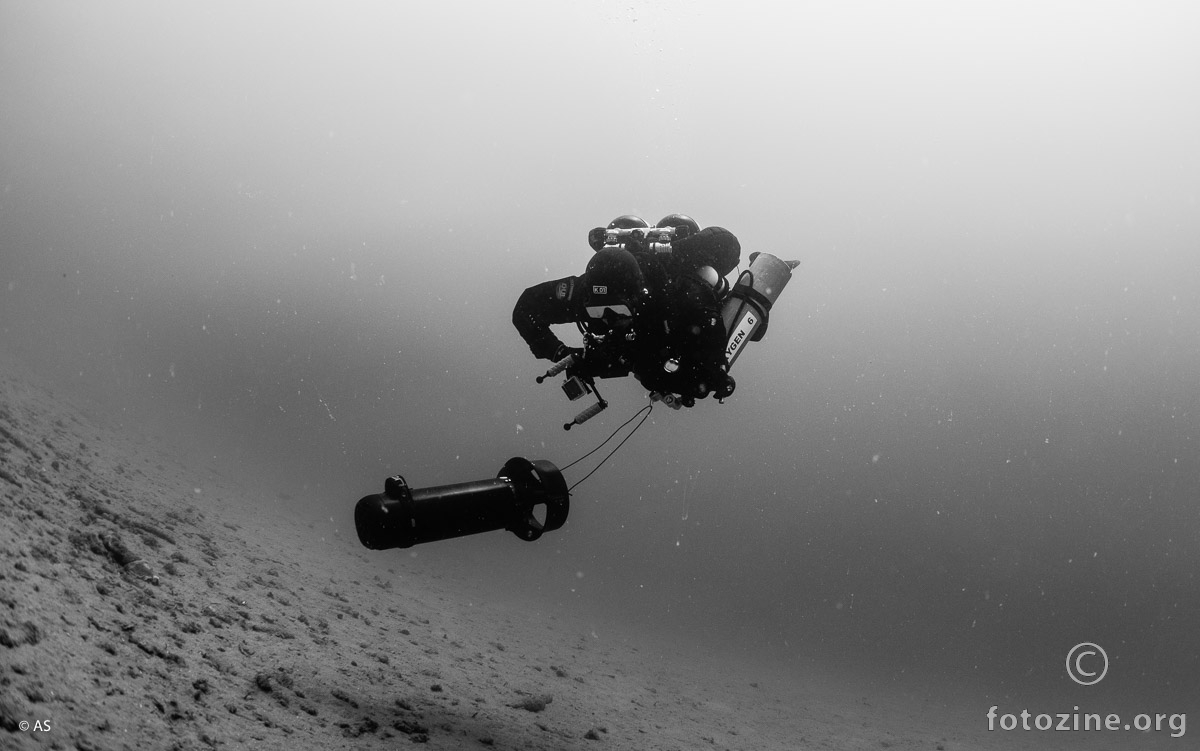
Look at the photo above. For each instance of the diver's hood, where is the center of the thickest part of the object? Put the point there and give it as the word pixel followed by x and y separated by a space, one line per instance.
pixel 613 283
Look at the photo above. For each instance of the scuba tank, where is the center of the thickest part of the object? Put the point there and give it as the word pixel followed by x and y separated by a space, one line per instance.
pixel 746 310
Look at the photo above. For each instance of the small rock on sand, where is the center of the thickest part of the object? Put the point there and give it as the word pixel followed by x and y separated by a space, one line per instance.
pixel 533 703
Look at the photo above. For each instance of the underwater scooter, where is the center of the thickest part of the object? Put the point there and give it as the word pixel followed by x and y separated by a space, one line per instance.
pixel 403 516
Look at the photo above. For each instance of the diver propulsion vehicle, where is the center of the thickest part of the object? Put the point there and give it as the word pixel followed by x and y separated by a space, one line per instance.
pixel 526 498
pixel 745 313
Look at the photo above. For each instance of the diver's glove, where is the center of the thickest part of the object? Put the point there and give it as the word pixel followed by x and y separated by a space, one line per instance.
pixel 723 386
pixel 718 383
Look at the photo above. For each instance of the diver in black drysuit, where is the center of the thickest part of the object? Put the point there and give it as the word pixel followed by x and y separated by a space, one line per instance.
pixel 655 315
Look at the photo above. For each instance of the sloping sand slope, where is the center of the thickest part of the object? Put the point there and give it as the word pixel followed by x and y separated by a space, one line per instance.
pixel 147 605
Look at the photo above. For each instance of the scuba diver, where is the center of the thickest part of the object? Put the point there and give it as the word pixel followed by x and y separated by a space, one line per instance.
pixel 647 304
pixel 653 302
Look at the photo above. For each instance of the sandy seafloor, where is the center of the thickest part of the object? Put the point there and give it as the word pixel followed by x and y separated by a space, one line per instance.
pixel 268 630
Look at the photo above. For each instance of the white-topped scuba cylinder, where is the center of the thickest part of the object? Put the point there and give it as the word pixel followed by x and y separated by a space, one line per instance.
pixel 748 306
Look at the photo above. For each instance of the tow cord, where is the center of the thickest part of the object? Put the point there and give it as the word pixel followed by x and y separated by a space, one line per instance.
pixel 646 410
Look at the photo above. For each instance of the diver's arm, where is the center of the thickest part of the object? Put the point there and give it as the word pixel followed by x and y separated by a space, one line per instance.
pixel 711 246
pixel 538 308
